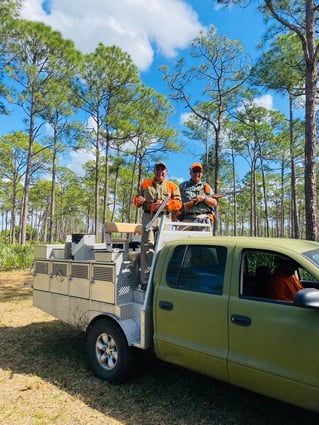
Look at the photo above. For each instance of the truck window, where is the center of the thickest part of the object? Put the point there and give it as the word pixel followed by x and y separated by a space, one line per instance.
pixel 257 266
pixel 197 268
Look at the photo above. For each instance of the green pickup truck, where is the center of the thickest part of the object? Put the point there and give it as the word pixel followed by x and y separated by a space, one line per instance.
pixel 206 307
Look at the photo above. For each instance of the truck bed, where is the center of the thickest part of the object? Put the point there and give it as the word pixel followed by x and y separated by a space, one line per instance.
pixel 99 279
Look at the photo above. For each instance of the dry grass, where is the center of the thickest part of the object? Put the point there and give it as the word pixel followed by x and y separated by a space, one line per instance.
pixel 45 379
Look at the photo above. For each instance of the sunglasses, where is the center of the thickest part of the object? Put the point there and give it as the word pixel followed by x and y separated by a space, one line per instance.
pixel 197 170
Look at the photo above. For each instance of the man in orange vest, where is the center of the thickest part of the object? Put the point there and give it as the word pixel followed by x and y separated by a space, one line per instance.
pixel 152 193
pixel 284 284
pixel 197 197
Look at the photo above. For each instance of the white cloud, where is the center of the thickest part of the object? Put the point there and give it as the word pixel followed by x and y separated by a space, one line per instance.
pixel 136 26
pixel 77 159
pixel 91 124
pixel 185 116
pixel 266 101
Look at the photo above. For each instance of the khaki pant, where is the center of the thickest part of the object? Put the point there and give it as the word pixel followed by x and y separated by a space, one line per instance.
pixel 147 247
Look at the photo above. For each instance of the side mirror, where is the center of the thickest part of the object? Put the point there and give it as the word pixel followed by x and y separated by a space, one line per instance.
pixel 308 297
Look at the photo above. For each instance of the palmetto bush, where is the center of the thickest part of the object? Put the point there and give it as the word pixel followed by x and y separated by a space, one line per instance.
pixel 16 257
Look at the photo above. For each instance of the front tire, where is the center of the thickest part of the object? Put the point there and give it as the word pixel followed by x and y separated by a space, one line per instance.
pixel 108 351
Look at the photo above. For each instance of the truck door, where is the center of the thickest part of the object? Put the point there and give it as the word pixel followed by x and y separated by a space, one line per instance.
pixel 190 309
pixel 272 343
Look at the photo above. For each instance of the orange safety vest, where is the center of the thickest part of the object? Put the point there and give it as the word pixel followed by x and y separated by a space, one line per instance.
pixel 148 190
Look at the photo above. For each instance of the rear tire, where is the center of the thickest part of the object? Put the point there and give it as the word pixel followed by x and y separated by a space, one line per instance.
pixel 108 351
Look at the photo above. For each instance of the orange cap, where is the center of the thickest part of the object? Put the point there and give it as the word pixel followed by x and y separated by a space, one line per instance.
pixel 196 165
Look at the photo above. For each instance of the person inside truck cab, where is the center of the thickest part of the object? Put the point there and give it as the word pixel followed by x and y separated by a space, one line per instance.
pixel 151 195
pixel 284 283
pixel 198 203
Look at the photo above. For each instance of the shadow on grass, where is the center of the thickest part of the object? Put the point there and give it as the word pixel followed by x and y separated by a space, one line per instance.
pixel 13 294
pixel 157 393
pixel 12 291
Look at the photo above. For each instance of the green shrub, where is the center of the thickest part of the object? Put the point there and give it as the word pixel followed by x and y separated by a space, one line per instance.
pixel 16 257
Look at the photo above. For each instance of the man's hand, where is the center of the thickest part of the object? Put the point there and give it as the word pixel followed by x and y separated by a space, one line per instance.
pixel 155 206
pixel 198 199
pixel 140 200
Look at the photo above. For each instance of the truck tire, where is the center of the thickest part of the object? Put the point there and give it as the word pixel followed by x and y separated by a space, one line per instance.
pixel 108 351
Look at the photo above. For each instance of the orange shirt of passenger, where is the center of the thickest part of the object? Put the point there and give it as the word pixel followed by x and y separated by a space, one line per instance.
pixel 284 287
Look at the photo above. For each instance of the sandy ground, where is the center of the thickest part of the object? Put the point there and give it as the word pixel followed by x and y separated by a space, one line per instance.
pixel 27 394
pixel 45 379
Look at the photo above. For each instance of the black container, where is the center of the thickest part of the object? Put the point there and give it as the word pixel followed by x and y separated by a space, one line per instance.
pixel 76 237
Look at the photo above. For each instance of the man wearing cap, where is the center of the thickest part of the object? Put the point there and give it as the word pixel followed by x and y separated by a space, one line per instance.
pixel 197 197
pixel 284 284
pixel 152 193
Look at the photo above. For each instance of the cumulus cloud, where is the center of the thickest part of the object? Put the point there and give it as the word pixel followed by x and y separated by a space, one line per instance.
pixel 266 101
pixel 139 27
pixel 185 116
pixel 77 159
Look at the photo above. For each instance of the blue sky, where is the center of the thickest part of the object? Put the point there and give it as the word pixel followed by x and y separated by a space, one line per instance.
pixel 153 32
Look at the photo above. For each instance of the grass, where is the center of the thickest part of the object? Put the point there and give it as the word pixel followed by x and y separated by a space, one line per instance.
pixel 15 257
pixel 45 379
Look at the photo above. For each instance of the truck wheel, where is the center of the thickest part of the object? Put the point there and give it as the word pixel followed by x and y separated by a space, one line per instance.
pixel 108 351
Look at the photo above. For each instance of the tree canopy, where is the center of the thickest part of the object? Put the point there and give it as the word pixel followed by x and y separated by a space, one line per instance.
pixel 96 103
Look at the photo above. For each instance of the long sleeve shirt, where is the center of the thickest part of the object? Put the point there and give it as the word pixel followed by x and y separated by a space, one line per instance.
pixel 154 191
pixel 284 287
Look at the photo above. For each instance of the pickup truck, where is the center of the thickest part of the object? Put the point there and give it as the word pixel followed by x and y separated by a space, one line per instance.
pixel 205 307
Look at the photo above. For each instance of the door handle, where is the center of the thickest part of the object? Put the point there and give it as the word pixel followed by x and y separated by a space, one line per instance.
pixel 166 305
pixel 238 319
